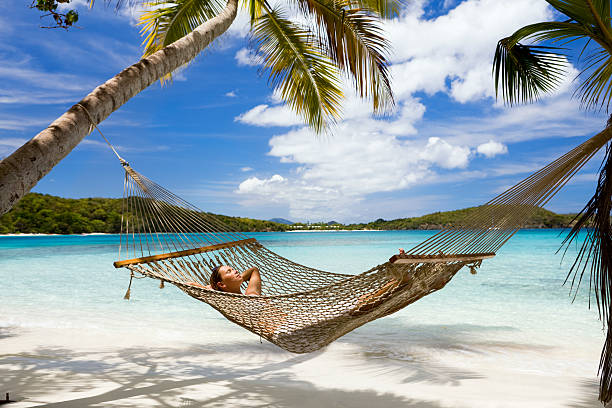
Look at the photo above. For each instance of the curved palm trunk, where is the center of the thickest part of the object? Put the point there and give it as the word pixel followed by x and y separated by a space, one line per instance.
pixel 20 171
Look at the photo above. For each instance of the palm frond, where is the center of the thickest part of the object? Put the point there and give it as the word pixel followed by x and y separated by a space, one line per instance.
pixel 525 72
pixel 353 39
pixel 595 255
pixel 592 15
pixel 557 32
pixel 304 77
pixel 255 9
pixel 577 10
pixel 595 90
pixel 381 8
pixel 603 9
pixel 168 21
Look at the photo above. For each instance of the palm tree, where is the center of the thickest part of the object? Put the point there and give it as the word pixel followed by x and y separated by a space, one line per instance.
pixel 306 62
pixel 532 62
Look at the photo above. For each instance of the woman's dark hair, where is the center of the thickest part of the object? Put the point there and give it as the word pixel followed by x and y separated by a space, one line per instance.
pixel 215 277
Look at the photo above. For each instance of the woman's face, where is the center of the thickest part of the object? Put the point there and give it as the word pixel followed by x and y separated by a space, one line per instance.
pixel 230 278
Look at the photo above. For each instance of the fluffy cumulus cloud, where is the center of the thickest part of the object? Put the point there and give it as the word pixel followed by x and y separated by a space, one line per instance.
pixel 444 154
pixel 265 115
pixel 247 57
pixel 452 53
pixel 492 149
pixel 449 54
pixel 333 174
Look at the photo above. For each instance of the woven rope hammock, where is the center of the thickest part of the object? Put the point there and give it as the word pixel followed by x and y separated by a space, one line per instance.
pixel 302 309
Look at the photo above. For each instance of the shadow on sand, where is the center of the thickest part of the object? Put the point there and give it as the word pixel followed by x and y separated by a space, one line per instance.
pixel 167 377
pixel 34 379
pixel 588 398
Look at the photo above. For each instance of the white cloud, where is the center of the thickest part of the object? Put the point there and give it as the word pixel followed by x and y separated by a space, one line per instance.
pixel 8 122
pixel 555 117
pixel 492 149
pixel 456 47
pixel 129 9
pixel 247 57
pixel 253 184
pixel 242 24
pixel 9 145
pixel 73 5
pixel 332 175
pixel 265 115
pixel 444 154
pixel 33 98
pixel 19 71
pixel 12 142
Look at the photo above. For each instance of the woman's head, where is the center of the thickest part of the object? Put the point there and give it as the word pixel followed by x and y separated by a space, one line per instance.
pixel 225 278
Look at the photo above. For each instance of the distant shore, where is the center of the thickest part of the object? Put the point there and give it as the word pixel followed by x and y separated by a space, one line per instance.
pixel 44 214
pixel 27 234
pixel 337 230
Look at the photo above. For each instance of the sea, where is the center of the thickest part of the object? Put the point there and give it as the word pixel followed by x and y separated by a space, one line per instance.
pixel 516 307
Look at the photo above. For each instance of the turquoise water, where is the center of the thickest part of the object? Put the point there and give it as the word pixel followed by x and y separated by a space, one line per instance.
pixel 69 281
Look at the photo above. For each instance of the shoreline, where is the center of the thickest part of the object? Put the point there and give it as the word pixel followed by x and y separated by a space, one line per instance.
pixel 33 234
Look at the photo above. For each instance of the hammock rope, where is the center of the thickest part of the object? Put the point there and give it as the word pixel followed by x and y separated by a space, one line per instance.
pixel 302 309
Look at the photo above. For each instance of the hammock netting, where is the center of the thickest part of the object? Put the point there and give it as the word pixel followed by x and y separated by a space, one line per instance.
pixel 302 309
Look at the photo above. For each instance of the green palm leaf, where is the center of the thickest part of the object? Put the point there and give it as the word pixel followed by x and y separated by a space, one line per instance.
pixel 380 8
pixel 167 22
pixel 353 39
pixel 524 72
pixel 595 255
pixel 577 10
pixel 305 78
pixel 596 89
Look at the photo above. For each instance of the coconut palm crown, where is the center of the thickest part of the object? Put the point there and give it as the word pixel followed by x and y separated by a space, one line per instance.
pixel 532 62
pixel 305 57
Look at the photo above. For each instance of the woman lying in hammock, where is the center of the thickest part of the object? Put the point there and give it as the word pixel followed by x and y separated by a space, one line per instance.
pixel 227 279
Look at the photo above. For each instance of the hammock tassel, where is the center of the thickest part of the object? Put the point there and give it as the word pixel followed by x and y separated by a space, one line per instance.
pixel 161 284
pixel 474 267
pixel 127 294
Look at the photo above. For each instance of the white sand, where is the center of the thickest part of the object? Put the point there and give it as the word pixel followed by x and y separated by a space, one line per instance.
pixel 74 368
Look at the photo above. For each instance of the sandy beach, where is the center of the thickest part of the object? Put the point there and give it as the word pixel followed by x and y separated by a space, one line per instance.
pixel 76 368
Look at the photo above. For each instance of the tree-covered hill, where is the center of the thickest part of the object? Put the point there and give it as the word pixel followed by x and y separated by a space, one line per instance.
pixel 541 219
pixel 46 214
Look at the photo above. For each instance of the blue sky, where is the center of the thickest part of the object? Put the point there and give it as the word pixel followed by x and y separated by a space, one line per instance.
pixel 218 137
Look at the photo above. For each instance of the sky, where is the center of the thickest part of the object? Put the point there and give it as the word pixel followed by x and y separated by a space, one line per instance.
pixel 220 138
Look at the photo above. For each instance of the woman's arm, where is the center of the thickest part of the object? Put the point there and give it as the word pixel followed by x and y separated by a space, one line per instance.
pixel 252 275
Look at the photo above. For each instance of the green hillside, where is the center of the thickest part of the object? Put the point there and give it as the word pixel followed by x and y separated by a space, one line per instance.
pixel 541 219
pixel 46 214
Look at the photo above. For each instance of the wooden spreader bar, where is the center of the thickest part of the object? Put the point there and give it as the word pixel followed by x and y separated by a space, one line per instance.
pixel 412 259
pixel 185 252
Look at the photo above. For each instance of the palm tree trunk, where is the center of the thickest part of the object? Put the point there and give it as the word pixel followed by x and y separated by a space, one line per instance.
pixel 20 171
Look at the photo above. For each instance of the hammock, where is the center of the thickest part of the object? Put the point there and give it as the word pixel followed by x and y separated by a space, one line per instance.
pixel 303 309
